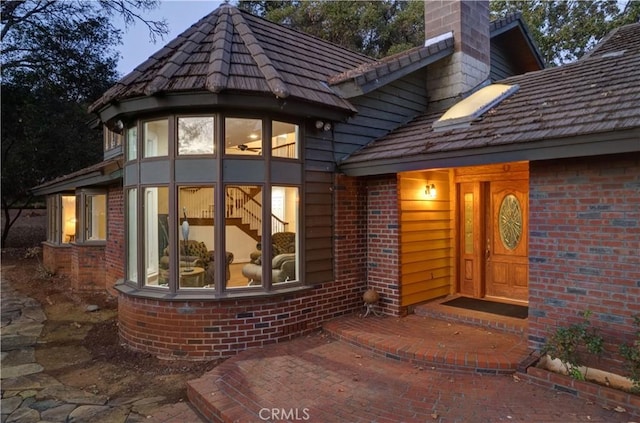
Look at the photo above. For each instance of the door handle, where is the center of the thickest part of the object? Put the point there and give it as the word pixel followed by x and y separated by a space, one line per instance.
pixel 487 251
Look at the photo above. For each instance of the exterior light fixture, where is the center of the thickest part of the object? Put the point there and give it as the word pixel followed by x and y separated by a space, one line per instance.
pixel 323 126
pixel 430 191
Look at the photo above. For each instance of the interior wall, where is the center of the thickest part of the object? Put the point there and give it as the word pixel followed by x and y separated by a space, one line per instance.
pixel 427 247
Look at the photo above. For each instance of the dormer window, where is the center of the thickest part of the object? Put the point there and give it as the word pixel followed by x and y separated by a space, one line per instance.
pixel 112 139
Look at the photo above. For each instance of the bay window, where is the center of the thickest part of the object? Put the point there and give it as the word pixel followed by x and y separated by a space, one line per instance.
pixel 209 224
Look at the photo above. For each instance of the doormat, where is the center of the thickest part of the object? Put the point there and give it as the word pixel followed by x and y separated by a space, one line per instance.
pixel 502 309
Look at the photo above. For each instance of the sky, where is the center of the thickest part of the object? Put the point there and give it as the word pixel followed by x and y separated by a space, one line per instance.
pixel 180 15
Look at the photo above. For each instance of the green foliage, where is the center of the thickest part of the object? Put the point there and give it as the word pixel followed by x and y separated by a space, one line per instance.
pixel 631 354
pixel 565 30
pixel 376 28
pixel 56 57
pixel 570 344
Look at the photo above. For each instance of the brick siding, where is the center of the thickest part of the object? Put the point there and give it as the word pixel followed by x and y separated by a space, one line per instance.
pixel 57 258
pixel 114 255
pixel 383 261
pixel 87 267
pixel 584 231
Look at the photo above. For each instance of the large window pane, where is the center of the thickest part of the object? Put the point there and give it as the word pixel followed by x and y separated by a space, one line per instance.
pixel 95 217
pixel 243 234
pixel 156 138
pixel 284 140
pixel 68 215
pixel 195 135
pixel 196 237
pixel 243 136
pixel 132 143
pixel 284 236
pixel 132 235
pixel 156 234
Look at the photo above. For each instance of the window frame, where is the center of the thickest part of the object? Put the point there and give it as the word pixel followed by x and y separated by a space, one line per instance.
pixel 55 225
pixel 218 179
pixel 82 215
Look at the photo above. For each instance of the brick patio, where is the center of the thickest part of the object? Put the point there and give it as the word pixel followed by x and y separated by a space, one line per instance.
pixel 383 369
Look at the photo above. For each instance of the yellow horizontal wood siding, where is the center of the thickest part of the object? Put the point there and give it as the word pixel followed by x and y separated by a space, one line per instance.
pixel 426 237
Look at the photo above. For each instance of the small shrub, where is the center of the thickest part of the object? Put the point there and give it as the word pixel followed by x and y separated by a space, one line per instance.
pixel 631 355
pixel 41 271
pixel 569 344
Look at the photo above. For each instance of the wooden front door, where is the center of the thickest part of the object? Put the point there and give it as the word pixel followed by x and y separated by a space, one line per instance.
pixel 492 240
pixel 506 250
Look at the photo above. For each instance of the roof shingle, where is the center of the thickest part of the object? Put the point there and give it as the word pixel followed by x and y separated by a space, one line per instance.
pixel 230 49
pixel 597 94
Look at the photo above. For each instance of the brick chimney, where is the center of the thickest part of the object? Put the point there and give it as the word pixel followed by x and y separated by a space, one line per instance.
pixel 457 76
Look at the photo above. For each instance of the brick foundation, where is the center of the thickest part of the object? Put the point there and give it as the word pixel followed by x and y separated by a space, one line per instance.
pixel 87 267
pixel 57 258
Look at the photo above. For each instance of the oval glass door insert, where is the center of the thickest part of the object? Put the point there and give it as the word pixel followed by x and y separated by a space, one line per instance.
pixel 510 222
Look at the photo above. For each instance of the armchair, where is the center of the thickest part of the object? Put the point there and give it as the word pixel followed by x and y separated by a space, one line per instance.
pixel 283 264
pixel 195 254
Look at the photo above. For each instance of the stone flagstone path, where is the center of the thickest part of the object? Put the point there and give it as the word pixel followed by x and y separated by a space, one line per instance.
pixel 29 395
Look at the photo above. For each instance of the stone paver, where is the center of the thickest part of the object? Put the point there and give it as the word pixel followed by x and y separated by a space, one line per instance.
pixel 31 395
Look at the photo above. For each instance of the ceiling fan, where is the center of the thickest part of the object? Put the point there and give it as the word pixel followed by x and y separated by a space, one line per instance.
pixel 244 147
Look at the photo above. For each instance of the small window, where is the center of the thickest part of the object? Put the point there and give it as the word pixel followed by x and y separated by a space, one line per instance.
pixel 95 217
pixel 243 136
pixel 156 138
pixel 195 135
pixel 156 234
pixel 284 140
pixel 132 143
pixel 68 215
pixel 111 139
pixel 132 235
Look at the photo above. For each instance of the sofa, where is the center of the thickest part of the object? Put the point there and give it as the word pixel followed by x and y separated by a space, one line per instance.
pixel 195 254
pixel 283 264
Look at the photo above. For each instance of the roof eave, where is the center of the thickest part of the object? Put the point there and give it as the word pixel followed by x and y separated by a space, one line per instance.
pixel 625 141
pixel 201 99
pixel 357 86
pixel 519 25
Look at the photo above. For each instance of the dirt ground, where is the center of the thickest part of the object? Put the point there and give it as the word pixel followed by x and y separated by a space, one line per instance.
pixel 82 349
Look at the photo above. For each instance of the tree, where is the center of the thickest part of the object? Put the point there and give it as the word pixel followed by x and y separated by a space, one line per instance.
pixel 565 30
pixel 377 28
pixel 56 58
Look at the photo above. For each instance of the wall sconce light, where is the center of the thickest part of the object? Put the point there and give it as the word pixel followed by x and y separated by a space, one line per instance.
pixel 430 190
pixel 118 126
pixel 323 126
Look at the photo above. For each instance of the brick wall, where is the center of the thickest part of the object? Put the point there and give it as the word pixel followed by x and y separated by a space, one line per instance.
pixel 383 261
pixel 202 330
pixel 57 258
pixel 114 256
pixel 87 267
pixel 584 228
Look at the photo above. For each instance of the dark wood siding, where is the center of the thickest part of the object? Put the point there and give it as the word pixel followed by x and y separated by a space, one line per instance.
pixel 501 65
pixel 318 224
pixel 379 112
